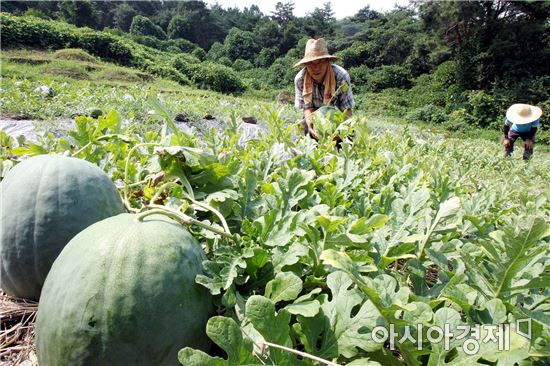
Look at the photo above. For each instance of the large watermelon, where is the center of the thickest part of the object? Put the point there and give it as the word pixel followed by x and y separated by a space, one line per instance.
pixel 46 201
pixel 123 292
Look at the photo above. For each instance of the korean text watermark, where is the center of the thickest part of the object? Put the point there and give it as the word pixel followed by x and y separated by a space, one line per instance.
pixel 470 336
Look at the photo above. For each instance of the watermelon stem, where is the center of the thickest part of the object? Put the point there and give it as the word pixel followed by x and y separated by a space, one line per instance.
pixel 266 345
pixel 192 200
pixel 181 218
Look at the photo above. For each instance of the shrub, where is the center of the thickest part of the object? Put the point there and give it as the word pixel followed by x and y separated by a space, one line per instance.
pixel 199 53
pixel 241 44
pixel 181 43
pixel 184 63
pixel 32 12
pixel 217 77
pixel 148 41
pixel 429 113
pixel 359 53
pixel 484 109
pixel 225 61
pixel 167 72
pixel 438 88
pixel 459 120
pixel 380 78
pixel 389 102
pixel 216 51
pixel 242 65
pixel 32 32
pixel 143 26
pixel 74 54
pixel 254 79
pixel 105 46
pixel 266 57
pixel 281 73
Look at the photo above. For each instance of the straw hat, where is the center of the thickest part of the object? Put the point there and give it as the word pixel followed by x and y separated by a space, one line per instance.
pixel 316 49
pixel 521 114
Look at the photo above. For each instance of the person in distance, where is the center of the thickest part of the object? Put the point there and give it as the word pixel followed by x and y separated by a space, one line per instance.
pixel 522 121
pixel 321 82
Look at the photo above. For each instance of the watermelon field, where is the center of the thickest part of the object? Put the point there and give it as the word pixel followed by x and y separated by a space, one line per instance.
pixel 192 227
pixel 309 247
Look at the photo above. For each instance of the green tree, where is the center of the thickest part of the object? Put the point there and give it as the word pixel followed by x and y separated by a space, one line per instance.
pixel 216 52
pixel 80 13
pixel 365 14
pixel 123 16
pixel 194 22
pixel 241 44
pixel 490 40
pixel 143 26
pixel 284 13
pixel 321 22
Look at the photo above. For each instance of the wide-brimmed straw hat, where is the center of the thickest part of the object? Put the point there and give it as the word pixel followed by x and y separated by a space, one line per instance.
pixel 521 114
pixel 316 49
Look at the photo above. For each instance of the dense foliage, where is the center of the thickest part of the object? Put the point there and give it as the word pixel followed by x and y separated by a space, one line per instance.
pixel 397 227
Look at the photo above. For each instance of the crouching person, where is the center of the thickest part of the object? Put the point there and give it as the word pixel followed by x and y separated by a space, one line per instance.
pixel 522 120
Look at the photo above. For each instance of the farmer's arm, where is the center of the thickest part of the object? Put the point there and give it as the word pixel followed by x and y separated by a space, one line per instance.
pixel 300 103
pixel 308 115
pixel 505 130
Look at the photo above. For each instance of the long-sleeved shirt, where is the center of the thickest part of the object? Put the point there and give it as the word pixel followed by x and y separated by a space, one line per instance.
pixel 343 100
pixel 523 128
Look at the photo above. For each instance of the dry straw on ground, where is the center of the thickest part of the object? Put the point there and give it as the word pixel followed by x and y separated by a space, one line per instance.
pixel 17 317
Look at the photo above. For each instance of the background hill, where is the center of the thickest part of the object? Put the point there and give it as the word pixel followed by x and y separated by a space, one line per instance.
pixel 456 64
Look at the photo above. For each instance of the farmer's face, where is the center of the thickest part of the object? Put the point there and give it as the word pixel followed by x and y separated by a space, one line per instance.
pixel 317 68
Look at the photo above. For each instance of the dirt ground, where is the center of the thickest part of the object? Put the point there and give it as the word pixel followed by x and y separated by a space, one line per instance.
pixel 17 319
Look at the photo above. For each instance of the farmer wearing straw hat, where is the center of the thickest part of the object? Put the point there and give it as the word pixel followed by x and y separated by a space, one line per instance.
pixel 522 120
pixel 317 83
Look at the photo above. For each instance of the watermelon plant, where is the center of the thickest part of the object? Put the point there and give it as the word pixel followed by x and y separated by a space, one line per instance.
pixel 46 200
pixel 123 292
pixel 398 229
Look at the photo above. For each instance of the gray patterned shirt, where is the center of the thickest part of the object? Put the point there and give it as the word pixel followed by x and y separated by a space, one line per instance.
pixel 343 101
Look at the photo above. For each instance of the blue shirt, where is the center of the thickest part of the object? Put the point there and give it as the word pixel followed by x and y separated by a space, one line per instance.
pixel 524 127
pixel 343 101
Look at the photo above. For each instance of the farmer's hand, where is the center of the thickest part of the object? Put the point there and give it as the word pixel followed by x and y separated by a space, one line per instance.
pixel 313 133
pixel 506 143
pixel 529 144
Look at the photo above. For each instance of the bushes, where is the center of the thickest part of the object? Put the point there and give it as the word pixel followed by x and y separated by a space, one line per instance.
pixel 242 65
pixel 167 72
pixel 389 102
pixel 142 26
pixel 181 43
pixel 216 77
pixel 429 113
pixel 359 53
pixel 486 111
pixel 207 74
pixel 35 32
pixel 39 33
pixel 105 46
pixel 380 78
pixel 184 64
pixel 199 53
pixel 438 88
pixel 459 120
